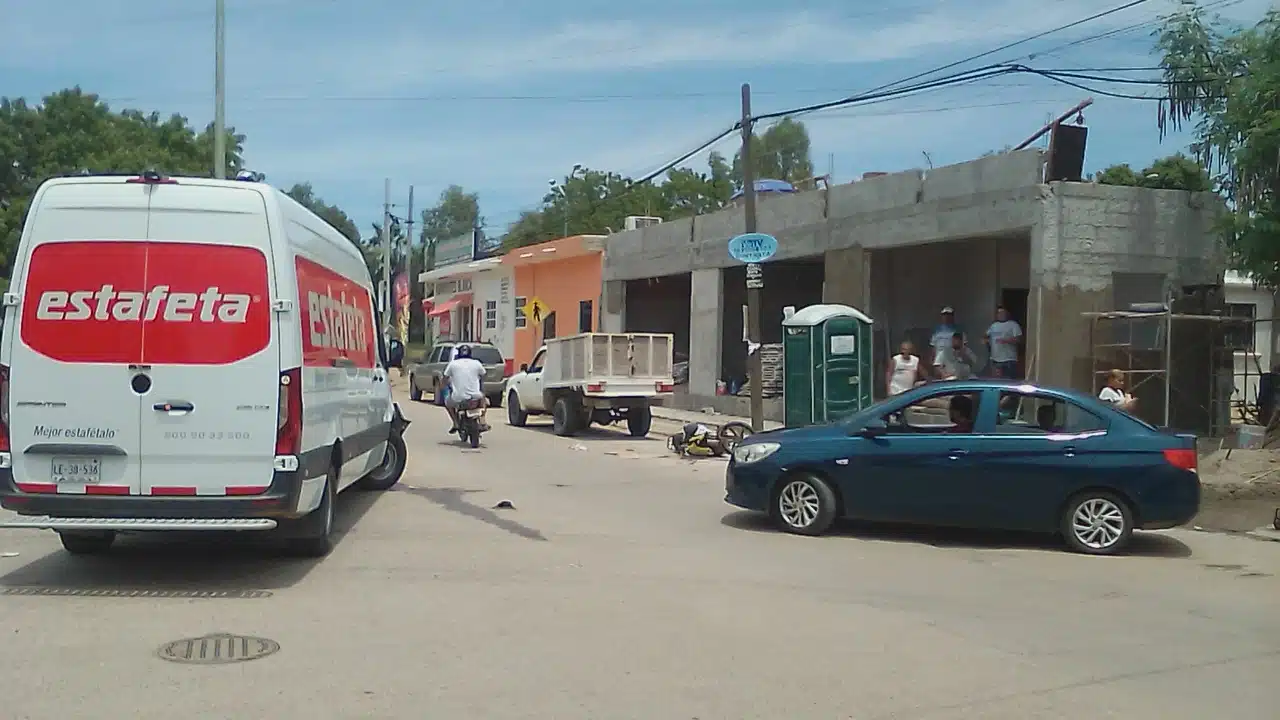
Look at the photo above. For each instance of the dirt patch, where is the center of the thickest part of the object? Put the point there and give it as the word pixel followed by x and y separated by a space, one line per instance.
pixel 1240 492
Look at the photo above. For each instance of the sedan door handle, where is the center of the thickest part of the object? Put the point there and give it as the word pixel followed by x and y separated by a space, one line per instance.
pixel 956 454
pixel 1069 451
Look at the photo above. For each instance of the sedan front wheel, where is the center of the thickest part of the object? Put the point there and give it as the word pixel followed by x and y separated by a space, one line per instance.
pixel 805 505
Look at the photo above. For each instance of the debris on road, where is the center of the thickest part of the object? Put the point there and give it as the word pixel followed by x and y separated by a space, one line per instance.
pixel 504 505
pixel 578 446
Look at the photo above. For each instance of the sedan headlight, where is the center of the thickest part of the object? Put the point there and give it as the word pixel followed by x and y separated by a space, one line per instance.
pixel 755 452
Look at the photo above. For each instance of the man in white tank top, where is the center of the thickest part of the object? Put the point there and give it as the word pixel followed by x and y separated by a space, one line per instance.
pixel 904 370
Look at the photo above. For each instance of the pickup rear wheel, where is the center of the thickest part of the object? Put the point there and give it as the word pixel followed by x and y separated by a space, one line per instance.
pixel 565 419
pixel 639 420
pixel 87 543
pixel 516 415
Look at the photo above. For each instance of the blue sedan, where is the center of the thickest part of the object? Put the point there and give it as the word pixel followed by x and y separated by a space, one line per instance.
pixel 976 453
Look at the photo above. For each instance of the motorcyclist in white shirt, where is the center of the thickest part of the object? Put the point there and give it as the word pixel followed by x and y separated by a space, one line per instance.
pixel 464 381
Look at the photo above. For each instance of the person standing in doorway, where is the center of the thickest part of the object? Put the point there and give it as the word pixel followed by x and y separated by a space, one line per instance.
pixel 905 370
pixel 958 361
pixel 1003 337
pixel 941 340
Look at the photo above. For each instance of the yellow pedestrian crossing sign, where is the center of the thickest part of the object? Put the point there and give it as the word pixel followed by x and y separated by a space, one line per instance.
pixel 536 310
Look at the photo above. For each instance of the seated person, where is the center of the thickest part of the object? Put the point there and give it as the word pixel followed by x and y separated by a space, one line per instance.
pixel 961 412
pixel 1045 417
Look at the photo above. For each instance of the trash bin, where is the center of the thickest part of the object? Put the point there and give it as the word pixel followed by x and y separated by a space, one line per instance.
pixel 827 365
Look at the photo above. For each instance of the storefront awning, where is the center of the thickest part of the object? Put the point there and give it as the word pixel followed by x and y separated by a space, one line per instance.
pixel 450 304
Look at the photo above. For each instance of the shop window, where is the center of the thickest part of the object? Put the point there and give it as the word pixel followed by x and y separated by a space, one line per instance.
pixel 490 314
pixel 521 319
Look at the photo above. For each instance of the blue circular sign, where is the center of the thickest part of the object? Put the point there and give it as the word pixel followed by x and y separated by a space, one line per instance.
pixel 753 247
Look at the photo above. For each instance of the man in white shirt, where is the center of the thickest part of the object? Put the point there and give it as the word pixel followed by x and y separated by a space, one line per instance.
pixel 1002 338
pixel 464 379
pixel 942 336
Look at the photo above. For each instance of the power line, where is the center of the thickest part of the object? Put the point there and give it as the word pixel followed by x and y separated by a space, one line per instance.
pixel 1016 43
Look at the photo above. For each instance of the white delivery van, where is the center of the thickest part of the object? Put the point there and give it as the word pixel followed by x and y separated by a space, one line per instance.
pixel 188 354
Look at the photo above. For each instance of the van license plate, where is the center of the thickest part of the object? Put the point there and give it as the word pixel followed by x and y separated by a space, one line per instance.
pixel 76 470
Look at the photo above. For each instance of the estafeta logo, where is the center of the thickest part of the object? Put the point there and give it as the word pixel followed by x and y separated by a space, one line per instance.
pixel 107 303
pixel 336 322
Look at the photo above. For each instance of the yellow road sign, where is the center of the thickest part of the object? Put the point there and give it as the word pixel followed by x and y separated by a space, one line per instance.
pixel 535 310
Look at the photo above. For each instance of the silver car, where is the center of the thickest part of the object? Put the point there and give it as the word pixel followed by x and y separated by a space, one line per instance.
pixel 425 377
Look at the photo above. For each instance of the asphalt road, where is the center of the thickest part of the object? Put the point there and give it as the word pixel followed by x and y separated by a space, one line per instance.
pixel 620 586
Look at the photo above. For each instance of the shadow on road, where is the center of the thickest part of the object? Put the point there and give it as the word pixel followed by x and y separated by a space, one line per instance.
pixel 596 433
pixel 454 500
pixel 1144 544
pixel 184 565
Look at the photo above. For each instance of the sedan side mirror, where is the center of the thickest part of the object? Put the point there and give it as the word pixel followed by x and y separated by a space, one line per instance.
pixel 872 428
pixel 524 367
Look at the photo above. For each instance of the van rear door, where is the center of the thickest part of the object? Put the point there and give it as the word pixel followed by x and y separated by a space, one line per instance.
pixel 209 422
pixel 74 423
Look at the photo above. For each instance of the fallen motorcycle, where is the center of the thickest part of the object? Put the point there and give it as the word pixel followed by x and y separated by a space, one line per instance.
pixel 702 440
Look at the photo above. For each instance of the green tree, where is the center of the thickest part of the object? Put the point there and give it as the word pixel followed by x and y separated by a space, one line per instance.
pixel 596 202
pixel 73 132
pixel 332 214
pixel 456 212
pixel 1223 81
pixel 780 153
pixel 1176 172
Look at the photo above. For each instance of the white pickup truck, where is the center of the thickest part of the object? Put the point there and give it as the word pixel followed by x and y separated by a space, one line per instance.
pixel 593 377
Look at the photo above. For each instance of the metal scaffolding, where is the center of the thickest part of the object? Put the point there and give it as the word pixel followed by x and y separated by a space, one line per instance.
pixel 1182 353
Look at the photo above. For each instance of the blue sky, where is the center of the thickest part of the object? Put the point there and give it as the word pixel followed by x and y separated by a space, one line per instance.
pixel 500 97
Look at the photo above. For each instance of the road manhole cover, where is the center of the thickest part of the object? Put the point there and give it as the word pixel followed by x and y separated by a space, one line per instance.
pixel 217 649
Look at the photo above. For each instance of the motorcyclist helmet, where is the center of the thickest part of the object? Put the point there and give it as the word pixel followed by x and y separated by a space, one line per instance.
pixel 464 351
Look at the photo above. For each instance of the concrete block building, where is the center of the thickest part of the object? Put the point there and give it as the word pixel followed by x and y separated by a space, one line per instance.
pixel 900 246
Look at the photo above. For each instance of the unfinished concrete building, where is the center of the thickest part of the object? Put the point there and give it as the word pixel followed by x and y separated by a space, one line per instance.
pixel 901 246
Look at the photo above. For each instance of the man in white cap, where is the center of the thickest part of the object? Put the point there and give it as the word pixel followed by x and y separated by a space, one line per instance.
pixel 942 338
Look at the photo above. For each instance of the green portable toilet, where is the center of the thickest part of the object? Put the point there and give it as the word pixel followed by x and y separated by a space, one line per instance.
pixel 826 351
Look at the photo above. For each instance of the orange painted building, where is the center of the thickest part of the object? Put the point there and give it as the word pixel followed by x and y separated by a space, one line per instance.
pixel 565 277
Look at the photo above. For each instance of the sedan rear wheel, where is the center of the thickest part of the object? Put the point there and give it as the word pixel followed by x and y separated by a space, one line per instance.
pixel 1097 522
pixel 805 505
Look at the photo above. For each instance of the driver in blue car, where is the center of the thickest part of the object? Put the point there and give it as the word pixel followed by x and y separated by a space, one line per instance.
pixel 464 381
pixel 961 412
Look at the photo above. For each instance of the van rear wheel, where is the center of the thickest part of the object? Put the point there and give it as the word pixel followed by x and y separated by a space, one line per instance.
pixel 312 534
pixel 386 475
pixel 87 543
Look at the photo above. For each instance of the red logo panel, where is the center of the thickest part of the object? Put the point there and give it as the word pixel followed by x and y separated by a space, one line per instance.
pixel 337 318
pixel 147 303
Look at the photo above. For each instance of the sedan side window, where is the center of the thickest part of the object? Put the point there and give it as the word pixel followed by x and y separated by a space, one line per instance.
pixel 953 412
pixel 1023 414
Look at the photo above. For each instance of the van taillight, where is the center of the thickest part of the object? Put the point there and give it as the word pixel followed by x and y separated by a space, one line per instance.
pixel 289 413
pixel 1181 458
pixel 4 408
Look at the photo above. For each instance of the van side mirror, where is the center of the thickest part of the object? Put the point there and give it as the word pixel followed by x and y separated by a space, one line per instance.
pixel 872 428
pixel 524 367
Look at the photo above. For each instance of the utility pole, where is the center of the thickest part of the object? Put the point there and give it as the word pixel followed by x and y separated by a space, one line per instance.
pixel 755 275
pixel 220 90
pixel 408 255
pixel 386 260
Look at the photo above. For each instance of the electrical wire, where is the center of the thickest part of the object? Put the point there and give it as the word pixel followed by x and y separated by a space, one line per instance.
pixel 1016 43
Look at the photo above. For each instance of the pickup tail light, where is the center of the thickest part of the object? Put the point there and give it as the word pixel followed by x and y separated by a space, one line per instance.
pixel 663 387
pixel 595 387
pixel 289 413
pixel 1182 458
pixel 508 367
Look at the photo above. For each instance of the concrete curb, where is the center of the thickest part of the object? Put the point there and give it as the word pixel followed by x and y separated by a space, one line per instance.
pixel 1265 533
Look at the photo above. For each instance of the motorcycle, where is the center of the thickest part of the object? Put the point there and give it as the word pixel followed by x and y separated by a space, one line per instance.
pixel 471 422
pixel 700 440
